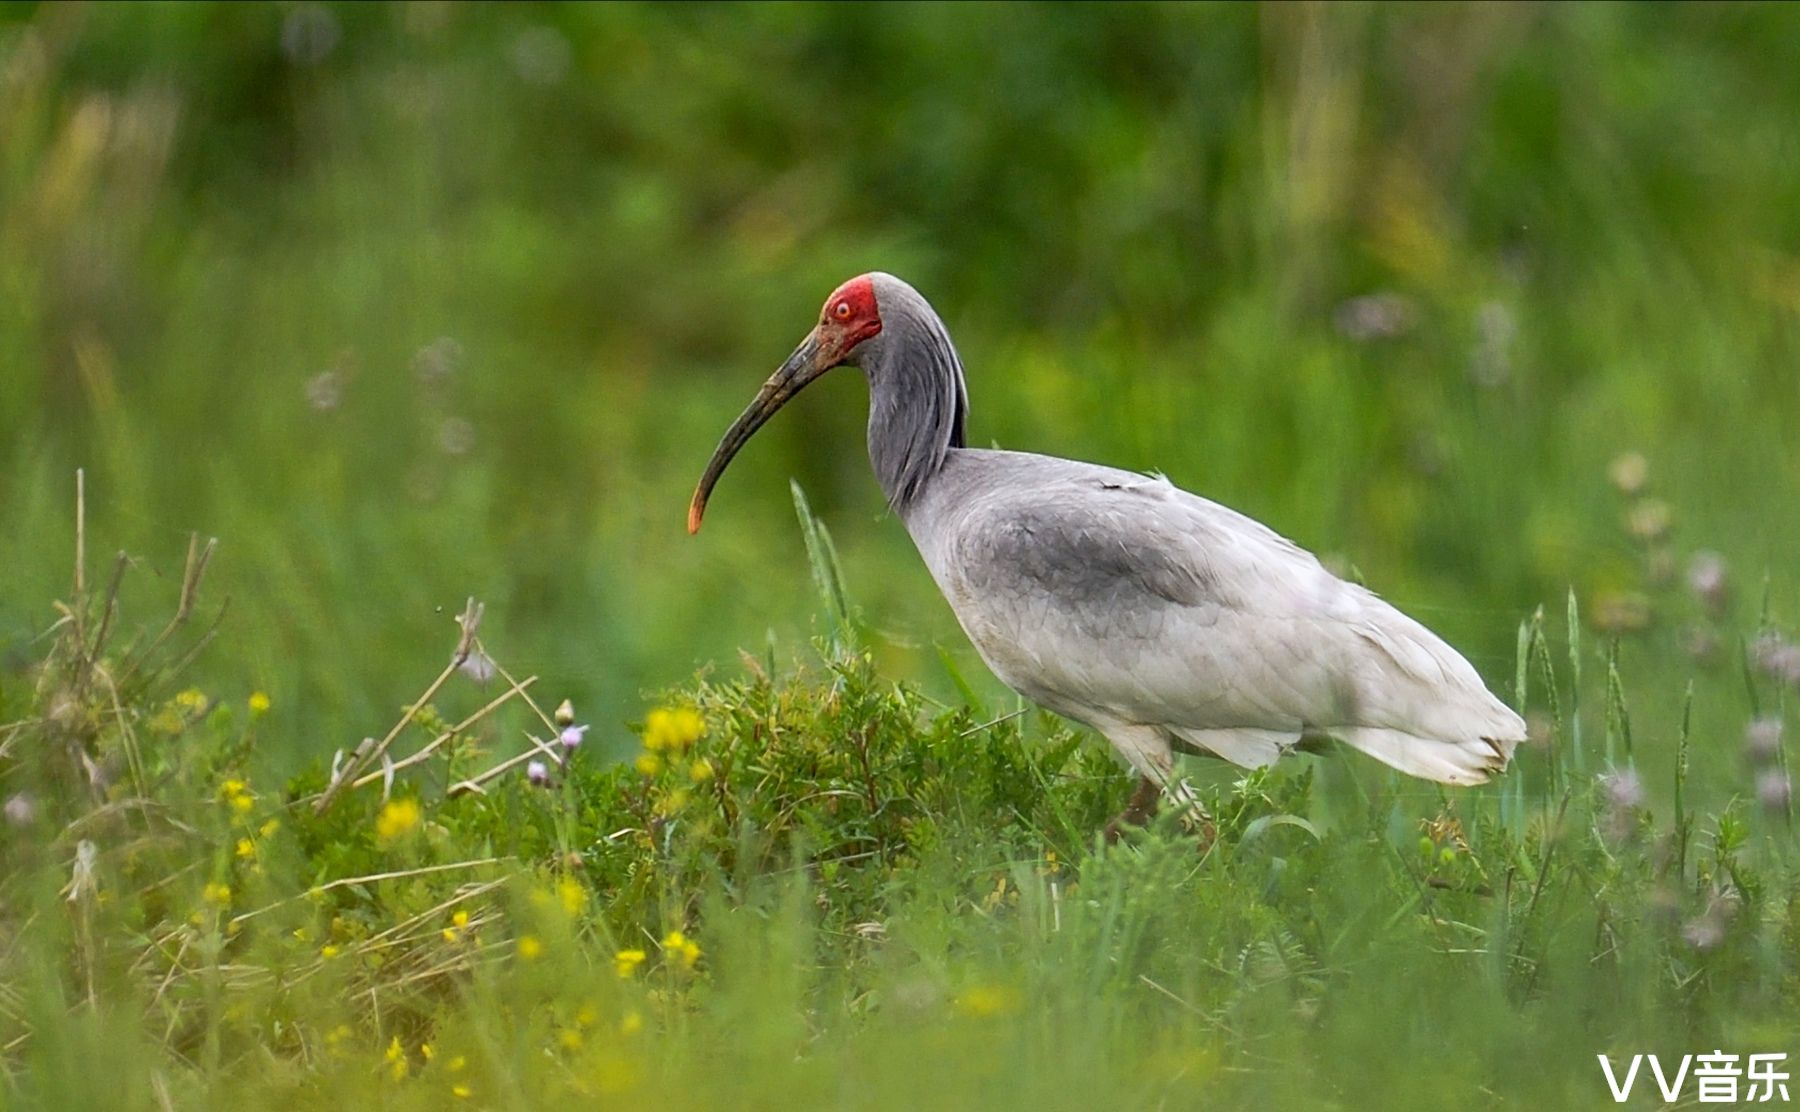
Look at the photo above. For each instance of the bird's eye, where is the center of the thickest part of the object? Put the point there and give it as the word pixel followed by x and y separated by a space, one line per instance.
pixel 842 312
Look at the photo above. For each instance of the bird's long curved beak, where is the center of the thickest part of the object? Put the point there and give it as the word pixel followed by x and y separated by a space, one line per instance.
pixel 806 364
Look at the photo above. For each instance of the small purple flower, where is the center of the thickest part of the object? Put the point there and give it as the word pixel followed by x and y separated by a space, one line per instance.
pixel 456 436
pixel 1707 579
pixel 20 810
pixel 1624 788
pixel 438 360
pixel 1375 316
pixel 571 737
pixel 1777 659
pixel 538 773
pixel 1704 932
pixel 1762 739
pixel 1788 665
pixel 1774 791
pixel 325 390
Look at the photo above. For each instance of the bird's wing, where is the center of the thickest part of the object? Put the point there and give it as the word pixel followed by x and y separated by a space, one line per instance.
pixel 1129 597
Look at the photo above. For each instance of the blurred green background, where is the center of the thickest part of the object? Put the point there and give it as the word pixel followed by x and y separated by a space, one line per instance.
pixel 407 303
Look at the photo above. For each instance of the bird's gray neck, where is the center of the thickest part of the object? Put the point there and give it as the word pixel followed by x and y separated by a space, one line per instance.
pixel 917 406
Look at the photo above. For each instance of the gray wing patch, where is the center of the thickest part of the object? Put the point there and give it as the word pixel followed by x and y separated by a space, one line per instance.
pixel 1085 559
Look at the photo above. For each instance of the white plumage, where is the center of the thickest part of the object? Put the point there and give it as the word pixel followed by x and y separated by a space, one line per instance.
pixel 1167 621
pixel 1164 621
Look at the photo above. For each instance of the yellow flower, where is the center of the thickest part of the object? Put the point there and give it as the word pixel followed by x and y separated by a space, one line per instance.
pixel 672 730
pixel 259 704
pixel 656 731
pixel 398 1066
pixel 701 771
pixel 631 1024
pixel 573 896
pixel 398 819
pixel 569 1038
pixel 269 828
pixel 216 894
pixel 530 949
pixel 193 700
pixel 649 764
pixel 329 950
pixel 246 848
pixel 685 727
pixel 679 946
pixel 987 1000
pixel 238 796
pixel 460 1091
pixel 456 1064
pixel 625 962
pixel 426 1052
pixel 459 922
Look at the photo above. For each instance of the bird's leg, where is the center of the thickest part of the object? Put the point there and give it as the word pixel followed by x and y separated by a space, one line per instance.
pixel 1139 811
pixel 1147 749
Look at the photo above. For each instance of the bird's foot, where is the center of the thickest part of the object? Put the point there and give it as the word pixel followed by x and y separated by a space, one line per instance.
pixel 1193 816
pixel 1142 808
pixel 1198 823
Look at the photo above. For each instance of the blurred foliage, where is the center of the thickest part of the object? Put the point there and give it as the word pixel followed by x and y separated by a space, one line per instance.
pixel 817 888
pixel 411 302
pixel 1497 307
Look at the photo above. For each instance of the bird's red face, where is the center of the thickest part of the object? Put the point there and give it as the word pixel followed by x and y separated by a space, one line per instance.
pixel 849 319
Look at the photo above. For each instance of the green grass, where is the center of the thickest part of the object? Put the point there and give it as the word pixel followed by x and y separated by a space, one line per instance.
pixel 405 305
pixel 881 902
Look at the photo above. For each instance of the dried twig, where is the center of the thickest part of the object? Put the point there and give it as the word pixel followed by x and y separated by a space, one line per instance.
pixel 192 572
pixel 516 688
pixel 80 532
pixel 473 783
pixel 344 882
pixel 471 617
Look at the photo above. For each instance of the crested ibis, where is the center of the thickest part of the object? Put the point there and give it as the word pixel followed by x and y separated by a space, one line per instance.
pixel 1162 620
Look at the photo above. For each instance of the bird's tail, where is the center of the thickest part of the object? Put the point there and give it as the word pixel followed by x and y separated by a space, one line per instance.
pixel 1468 761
